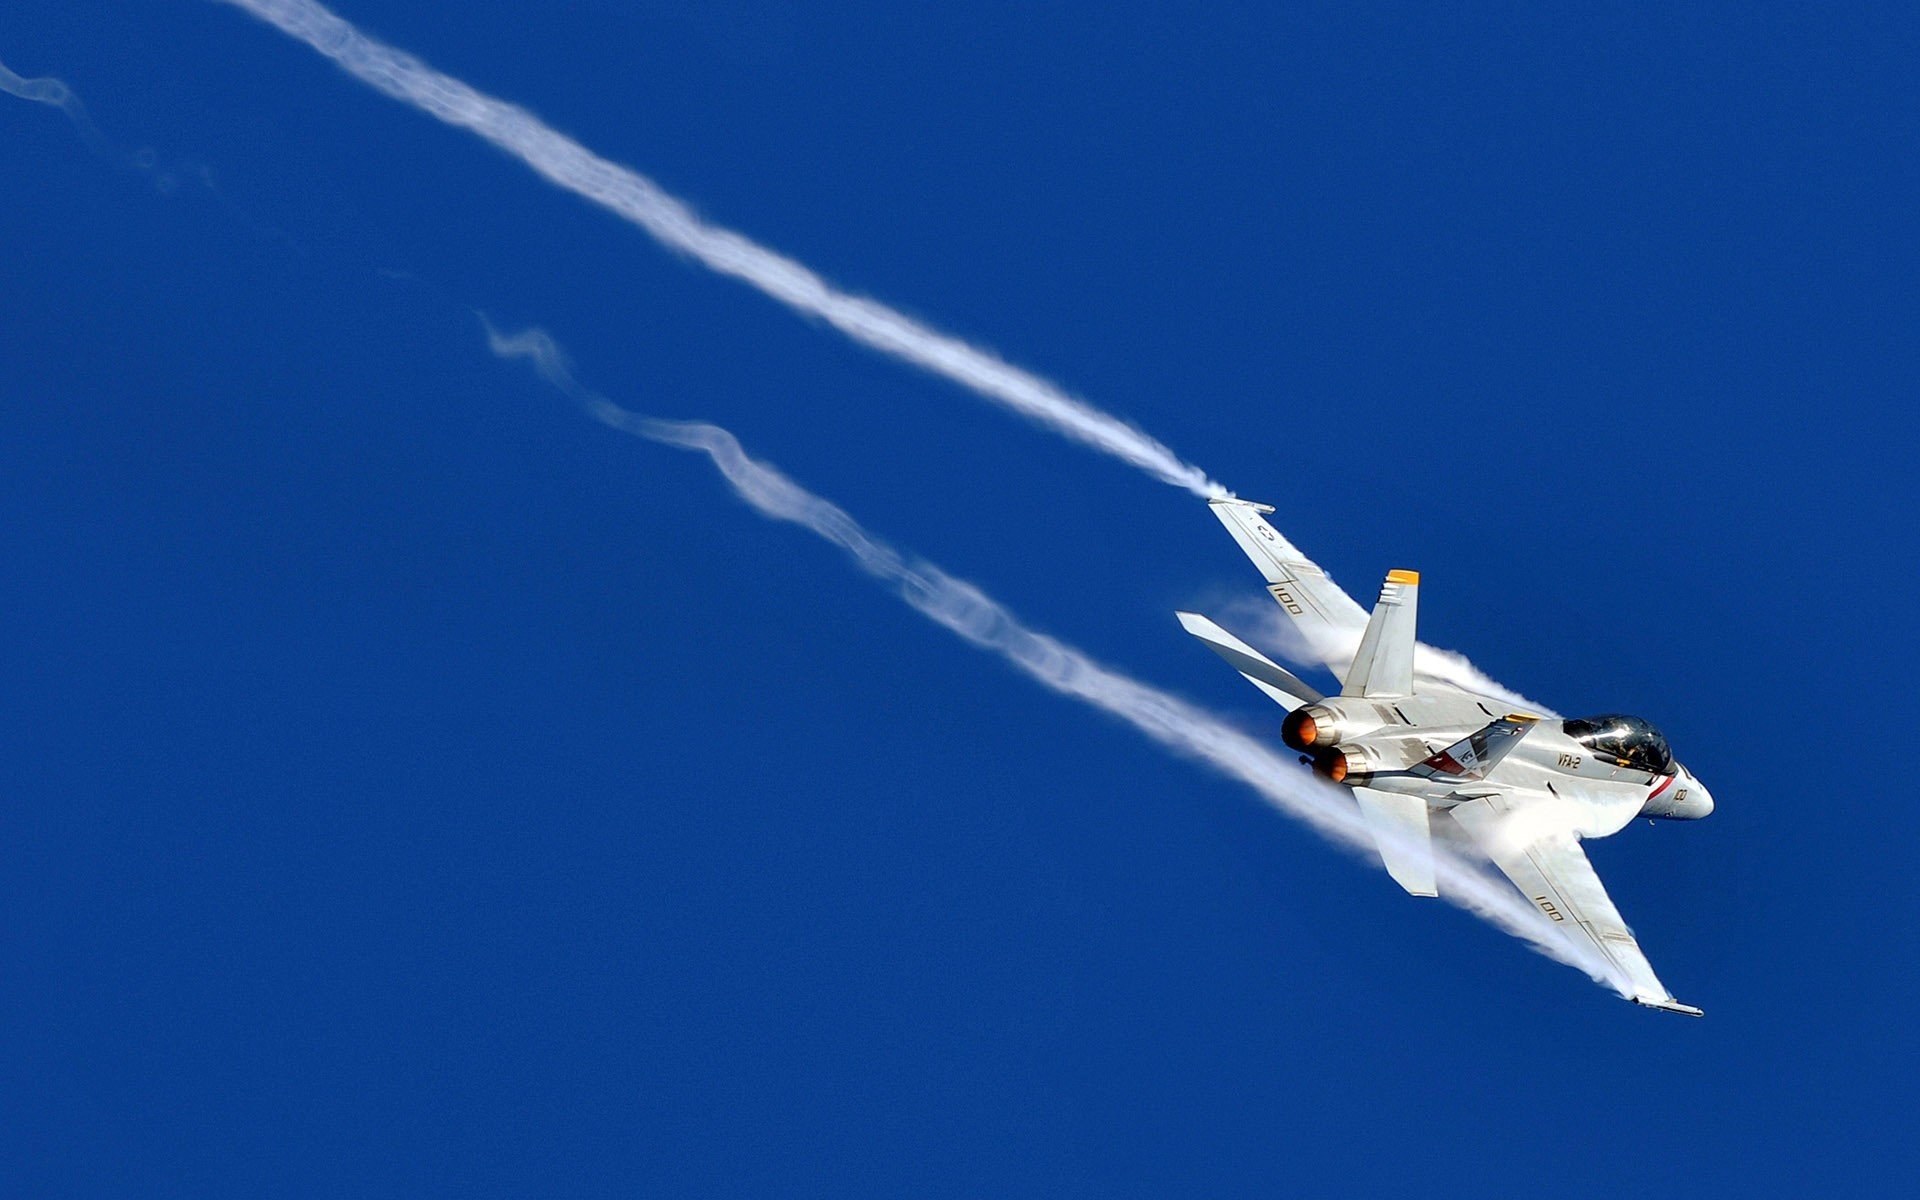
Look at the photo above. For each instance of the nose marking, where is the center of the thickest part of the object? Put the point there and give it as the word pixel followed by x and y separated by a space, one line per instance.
pixel 1664 785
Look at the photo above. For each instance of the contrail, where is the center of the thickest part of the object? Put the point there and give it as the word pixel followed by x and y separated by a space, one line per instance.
pixel 166 177
pixel 672 222
pixel 963 609
pixel 56 94
pixel 40 91
pixel 954 604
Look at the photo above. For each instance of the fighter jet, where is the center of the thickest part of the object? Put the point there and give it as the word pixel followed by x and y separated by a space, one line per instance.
pixel 1427 758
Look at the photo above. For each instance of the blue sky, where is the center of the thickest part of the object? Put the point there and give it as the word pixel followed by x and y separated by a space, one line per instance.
pixel 419 789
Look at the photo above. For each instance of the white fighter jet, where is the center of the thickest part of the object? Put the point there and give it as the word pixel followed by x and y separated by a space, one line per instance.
pixel 1427 758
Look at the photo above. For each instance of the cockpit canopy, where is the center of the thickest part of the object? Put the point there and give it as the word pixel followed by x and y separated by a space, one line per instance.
pixel 1629 741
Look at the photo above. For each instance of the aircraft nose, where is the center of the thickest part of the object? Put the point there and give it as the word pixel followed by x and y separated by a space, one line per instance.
pixel 1699 801
pixel 1680 798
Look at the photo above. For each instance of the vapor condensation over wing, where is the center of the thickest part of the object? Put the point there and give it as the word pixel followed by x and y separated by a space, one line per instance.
pixel 644 203
pixel 1334 650
pixel 965 610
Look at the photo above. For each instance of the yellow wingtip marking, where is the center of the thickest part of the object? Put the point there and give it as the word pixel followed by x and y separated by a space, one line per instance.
pixel 1403 577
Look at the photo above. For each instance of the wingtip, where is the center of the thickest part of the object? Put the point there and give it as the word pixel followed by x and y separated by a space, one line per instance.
pixel 1198 624
pixel 1669 1005
pixel 1236 501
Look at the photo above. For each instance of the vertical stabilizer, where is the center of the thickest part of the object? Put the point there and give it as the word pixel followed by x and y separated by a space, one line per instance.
pixel 1384 664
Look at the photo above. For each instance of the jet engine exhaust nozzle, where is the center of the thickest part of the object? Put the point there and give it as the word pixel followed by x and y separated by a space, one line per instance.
pixel 1351 766
pixel 1309 727
pixel 1330 764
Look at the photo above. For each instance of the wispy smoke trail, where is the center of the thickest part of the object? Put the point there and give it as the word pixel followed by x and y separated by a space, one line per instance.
pixel 42 91
pixel 166 177
pixel 954 604
pixel 641 201
pixel 965 610
pixel 55 94
pixel 644 203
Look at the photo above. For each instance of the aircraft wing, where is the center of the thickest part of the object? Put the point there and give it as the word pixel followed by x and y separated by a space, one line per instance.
pixel 1551 870
pixel 1329 621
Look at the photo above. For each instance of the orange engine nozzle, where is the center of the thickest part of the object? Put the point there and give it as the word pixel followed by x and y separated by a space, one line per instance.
pixel 1307 728
pixel 1333 765
pixel 1350 767
pixel 1298 729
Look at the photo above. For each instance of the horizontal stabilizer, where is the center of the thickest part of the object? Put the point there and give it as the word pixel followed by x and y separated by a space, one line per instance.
pixel 1280 684
pixel 1400 830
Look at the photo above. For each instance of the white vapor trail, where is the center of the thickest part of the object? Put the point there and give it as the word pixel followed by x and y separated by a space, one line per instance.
pixel 644 203
pixel 40 91
pixel 954 604
pixel 965 610
pixel 55 94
